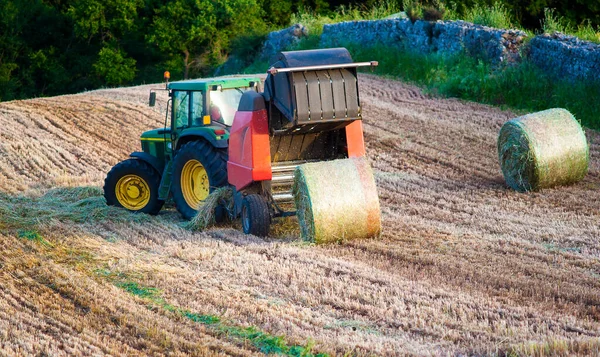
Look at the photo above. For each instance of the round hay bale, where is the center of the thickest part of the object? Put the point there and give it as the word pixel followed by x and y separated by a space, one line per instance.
pixel 336 200
pixel 543 150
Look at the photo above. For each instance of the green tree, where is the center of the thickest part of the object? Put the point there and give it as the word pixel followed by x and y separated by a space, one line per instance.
pixel 10 46
pixel 104 18
pixel 197 33
pixel 235 18
pixel 183 29
pixel 31 64
pixel 277 13
pixel 114 67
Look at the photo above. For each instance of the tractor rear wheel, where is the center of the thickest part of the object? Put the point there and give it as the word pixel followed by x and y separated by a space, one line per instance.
pixel 256 216
pixel 133 184
pixel 198 169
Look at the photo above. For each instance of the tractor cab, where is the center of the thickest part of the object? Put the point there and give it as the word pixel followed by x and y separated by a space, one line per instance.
pixel 202 108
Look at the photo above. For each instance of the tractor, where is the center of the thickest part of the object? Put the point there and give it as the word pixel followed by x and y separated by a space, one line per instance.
pixel 308 112
pixel 188 159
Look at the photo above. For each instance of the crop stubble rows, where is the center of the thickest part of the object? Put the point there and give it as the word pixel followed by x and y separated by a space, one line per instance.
pixel 464 264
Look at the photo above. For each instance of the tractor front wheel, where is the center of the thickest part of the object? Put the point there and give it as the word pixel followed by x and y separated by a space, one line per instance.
pixel 133 184
pixel 198 169
pixel 256 216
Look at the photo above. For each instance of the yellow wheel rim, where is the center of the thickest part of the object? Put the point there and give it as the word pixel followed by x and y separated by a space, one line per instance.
pixel 132 192
pixel 194 183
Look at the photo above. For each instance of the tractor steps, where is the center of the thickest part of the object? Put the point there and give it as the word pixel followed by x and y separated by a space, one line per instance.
pixel 165 181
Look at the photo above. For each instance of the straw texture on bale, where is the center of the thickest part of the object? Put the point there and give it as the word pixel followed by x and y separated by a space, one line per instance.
pixel 543 150
pixel 206 215
pixel 336 200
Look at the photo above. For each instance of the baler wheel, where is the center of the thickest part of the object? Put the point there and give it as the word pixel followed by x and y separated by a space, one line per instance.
pixel 256 217
pixel 198 169
pixel 133 184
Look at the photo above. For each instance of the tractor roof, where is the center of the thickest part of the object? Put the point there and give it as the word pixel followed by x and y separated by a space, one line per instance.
pixel 204 84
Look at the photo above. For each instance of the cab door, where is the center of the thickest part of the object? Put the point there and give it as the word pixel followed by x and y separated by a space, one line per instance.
pixel 180 115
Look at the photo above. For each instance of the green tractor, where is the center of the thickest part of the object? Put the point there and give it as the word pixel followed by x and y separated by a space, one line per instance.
pixel 188 159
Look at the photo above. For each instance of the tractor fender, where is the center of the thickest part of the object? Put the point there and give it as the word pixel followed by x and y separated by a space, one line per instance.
pixel 193 134
pixel 152 160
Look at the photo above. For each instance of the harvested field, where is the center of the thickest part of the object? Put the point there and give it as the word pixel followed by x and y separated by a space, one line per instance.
pixel 464 264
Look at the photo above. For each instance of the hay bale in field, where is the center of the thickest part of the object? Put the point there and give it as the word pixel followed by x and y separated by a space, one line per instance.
pixel 542 150
pixel 206 215
pixel 336 200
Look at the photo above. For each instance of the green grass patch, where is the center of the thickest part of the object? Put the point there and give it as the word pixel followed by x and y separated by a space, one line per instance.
pixel 33 236
pixel 268 344
pixel 263 341
pixel 74 204
pixel 203 319
pixel 315 21
pixel 142 291
pixel 553 22
pixel 495 15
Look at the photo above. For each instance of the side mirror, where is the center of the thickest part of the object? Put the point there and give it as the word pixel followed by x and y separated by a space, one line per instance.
pixel 152 100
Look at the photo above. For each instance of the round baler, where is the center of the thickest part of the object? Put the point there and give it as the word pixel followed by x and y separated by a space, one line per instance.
pixel 308 115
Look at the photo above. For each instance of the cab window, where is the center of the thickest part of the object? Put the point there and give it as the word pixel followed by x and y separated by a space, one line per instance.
pixel 181 109
pixel 224 104
pixel 197 108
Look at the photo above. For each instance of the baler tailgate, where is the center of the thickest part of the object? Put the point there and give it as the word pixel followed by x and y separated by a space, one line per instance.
pixel 325 95
pixel 339 94
pixel 313 91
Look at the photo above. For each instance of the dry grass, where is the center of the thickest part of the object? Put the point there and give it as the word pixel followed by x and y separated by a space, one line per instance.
pixel 464 264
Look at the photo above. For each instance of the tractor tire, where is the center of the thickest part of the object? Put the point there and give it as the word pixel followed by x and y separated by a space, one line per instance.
pixel 256 216
pixel 198 169
pixel 133 184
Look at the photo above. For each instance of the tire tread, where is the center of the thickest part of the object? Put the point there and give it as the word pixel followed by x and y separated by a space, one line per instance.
pixel 260 217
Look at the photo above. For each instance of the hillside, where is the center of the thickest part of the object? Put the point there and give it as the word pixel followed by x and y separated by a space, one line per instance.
pixel 464 265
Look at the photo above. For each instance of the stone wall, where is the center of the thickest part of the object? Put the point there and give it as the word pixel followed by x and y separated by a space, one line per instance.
pixel 566 55
pixel 280 40
pixel 452 37
pixel 393 32
pixel 445 37
pixel 563 56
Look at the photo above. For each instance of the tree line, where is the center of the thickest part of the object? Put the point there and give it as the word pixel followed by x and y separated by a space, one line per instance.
pixel 50 47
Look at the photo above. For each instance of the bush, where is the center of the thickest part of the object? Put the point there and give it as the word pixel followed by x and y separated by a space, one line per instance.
pixel 553 22
pixel 496 16
pixel 432 14
pixel 247 47
pixel 413 10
